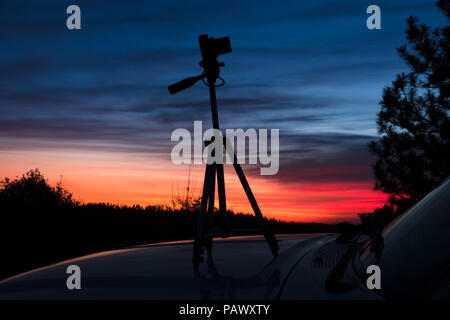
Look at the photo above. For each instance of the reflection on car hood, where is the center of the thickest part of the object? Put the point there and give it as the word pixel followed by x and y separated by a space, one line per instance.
pixel 241 268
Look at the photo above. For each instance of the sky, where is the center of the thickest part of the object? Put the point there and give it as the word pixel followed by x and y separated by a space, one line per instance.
pixel 92 106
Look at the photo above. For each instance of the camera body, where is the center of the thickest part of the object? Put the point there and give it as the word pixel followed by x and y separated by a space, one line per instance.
pixel 211 47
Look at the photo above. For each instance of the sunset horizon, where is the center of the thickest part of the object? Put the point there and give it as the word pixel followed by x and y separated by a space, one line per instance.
pixel 96 183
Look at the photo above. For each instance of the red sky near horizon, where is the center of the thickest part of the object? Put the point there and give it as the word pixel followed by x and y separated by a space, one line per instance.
pixel 121 179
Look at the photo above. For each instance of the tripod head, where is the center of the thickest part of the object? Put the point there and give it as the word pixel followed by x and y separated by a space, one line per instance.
pixel 210 49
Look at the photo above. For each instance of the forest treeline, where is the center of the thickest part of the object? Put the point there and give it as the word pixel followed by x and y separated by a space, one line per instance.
pixel 43 224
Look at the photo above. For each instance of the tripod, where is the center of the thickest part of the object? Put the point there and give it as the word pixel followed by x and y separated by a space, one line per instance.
pixel 210 49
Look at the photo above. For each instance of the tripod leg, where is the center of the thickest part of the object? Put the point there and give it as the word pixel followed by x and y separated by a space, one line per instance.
pixel 222 199
pixel 205 196
pixel 202 222
pixel 210 215
pixel 268 234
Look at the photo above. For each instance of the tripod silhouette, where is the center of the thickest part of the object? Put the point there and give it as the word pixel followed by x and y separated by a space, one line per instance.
pixel 211 48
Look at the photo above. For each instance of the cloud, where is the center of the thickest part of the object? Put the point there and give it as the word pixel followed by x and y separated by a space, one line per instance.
pixel 322 158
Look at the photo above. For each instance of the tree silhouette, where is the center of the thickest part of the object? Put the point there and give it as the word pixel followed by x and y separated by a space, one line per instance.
pixel 33 191
pixel 413 153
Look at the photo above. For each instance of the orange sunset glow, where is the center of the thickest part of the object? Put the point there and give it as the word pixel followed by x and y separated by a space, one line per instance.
pixel 139 179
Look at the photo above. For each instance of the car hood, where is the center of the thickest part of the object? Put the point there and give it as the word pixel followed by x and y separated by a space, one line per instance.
pixel 241 268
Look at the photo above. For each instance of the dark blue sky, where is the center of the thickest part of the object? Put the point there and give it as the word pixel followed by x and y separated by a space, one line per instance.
pixel 309 68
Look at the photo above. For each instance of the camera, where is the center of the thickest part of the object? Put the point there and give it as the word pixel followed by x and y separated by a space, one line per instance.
pixel 211 48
